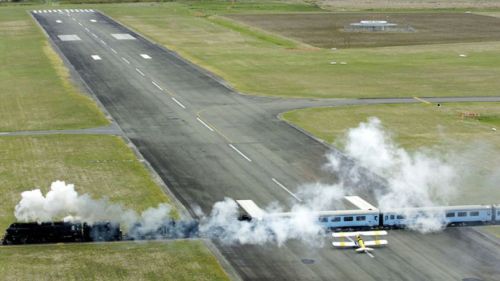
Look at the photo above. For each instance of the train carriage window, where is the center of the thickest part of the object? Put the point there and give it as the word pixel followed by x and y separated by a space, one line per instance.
pixel 386 217
pixel 462 214
pixel 348 219
pixel 400 217
pixel 450 215
pixel 360 218
pixel 323 219
pixel 335 219
pixel 392 217
pixel 474 214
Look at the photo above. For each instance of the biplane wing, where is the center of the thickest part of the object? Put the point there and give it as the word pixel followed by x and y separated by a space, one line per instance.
pixel 347 244
pixel 376 243
pixel 363 233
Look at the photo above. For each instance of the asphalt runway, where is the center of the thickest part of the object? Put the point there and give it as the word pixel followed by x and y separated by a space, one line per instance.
pixel 208 142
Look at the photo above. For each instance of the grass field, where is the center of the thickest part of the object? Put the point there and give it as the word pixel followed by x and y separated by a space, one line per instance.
pixel 173 260
pixel 406 4
pixel 263 64
pixel 35 91
pixel 326 30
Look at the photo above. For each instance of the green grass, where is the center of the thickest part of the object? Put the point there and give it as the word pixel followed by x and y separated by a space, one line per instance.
pixel 415 125
pixel 102 166
pixel 172 260
pixel 254 64
pixel 35 92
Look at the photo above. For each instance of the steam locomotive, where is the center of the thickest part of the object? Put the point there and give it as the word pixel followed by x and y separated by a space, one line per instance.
pixel 55 232
pixel 65 232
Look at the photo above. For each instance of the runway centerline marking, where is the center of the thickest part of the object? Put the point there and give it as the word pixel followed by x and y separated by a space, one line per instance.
pixel 96 57
pixel 102 41
pixel 113 50
pixel 286 189
pixel 86 29
pixel 80 24
pixel 204 124
pixel 422 100
pixel 59 21
pixel 125 60
pixel 95 36
pixel 240 153
pixel 178 103
pixel 140 72
pixel 157 86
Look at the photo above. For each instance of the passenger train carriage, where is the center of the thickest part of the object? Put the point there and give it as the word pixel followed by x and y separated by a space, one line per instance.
pixel 379 219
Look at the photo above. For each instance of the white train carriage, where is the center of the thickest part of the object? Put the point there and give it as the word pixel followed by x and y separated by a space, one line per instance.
pixel 468 214
pixel 341 219
pixel 450 215
pixel 496 213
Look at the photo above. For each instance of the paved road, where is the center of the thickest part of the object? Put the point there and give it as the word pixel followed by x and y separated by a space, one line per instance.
pixel 111 129
pixel 208 142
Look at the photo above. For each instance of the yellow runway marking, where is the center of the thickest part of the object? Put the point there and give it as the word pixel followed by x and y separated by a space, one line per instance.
pixel 422 100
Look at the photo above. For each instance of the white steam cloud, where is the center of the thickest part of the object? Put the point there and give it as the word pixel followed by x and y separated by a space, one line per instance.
pixel 63 202
pixel 413 179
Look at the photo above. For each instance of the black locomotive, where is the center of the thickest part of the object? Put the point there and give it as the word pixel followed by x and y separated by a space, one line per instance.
pixel 66 232
pixel 56 232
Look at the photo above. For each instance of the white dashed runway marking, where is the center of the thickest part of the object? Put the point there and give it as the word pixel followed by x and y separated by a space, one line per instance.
pixel 113 50
pixel 240 153
pixel 139 71
pixel 69 37
pixel 145 56
pixel 96 57
pixel 123 36
pixel 59 21
pixel 125 60
pixel 178 103
pixel 157 86
pixel 92 20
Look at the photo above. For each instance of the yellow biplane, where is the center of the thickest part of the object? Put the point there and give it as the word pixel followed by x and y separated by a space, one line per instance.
pixel 361 245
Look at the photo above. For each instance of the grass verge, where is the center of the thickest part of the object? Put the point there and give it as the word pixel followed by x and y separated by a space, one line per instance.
pixel 35 90
pixel 172 260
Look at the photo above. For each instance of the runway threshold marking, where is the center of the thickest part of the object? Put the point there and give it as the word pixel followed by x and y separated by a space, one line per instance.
pixel 204 124
pixel 286 189
pixel 145 56
pixel 178 103
pixel 422 100
pixel 125 60
pixel 140 72
pixel 240 153
pixel 157 86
